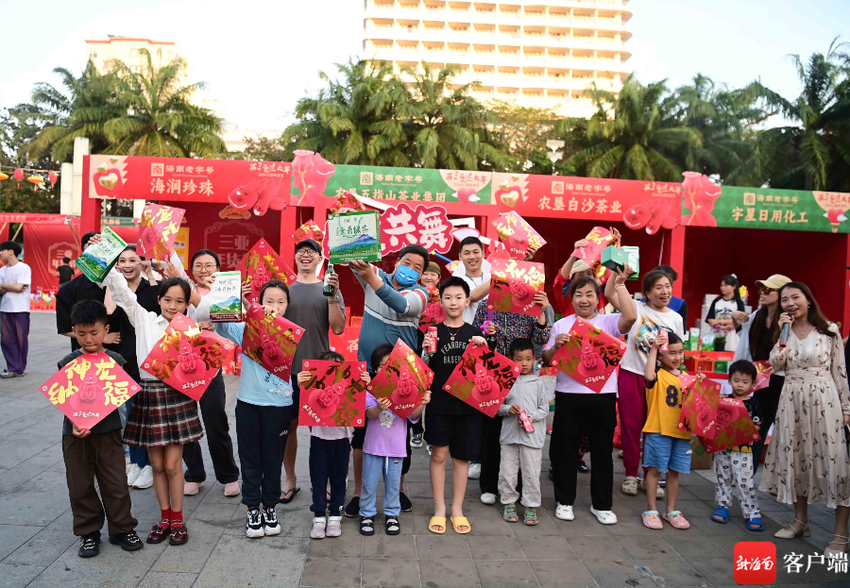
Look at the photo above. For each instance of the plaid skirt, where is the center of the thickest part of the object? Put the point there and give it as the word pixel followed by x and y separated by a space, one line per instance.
pixel 161 416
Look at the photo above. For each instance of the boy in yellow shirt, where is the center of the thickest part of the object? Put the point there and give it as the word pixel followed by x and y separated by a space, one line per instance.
pixel 666 448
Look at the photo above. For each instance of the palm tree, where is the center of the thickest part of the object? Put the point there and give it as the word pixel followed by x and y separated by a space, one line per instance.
pixel 447 127
pixel 628 138
pixel 157 116
pixel 80 109
pixel 813 151
pixel 725 120
pixel 353 120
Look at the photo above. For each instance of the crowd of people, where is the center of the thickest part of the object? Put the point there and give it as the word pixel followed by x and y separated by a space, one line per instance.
pixel 807 400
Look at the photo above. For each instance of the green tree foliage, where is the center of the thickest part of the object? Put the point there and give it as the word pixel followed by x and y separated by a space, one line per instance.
pixel 812 151
pixel 157 117
pixel 19 127
pixel 628 138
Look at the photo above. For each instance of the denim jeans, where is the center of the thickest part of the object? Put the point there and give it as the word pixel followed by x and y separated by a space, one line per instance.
pixel 374 467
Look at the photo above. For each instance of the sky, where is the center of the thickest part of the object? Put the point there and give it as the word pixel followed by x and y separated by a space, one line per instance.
pixel 258 57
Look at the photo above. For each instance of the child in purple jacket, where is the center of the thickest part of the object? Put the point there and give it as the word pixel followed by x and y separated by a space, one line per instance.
pixel 384 450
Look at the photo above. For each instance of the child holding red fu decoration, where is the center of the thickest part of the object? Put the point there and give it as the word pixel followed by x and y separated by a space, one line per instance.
pixel 384 450
pixel 329 449
pixel 96 452
pixel 263 415
pixel 522 443
pixel 161 418
pixel 735 464
pixel 666 448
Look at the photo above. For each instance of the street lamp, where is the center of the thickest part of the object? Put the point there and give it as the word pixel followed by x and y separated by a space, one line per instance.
pixel 554 153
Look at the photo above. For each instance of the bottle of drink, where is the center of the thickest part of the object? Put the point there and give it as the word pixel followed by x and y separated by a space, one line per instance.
pixel 525 422
pixel 329 290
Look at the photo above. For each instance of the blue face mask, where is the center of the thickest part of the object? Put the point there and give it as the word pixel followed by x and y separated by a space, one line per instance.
pixel 406 276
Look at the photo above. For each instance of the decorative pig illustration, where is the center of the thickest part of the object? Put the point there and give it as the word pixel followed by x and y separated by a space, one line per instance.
pixel 310 175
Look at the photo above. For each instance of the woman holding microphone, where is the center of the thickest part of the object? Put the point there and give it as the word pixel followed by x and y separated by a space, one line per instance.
pixel 807 457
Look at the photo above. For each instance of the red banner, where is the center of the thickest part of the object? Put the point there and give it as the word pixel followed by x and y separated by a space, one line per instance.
pixel 44 248
pixel 191 180
pixel 402 226
pixel 641 205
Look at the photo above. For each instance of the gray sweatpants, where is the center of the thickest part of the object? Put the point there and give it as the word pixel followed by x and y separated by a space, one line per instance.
pixel 735 467
pixel 514 457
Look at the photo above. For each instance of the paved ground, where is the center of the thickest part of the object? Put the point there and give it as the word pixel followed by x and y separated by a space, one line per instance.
pixel 37 547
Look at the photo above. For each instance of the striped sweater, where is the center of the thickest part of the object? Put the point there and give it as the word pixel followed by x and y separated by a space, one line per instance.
pixel 389 315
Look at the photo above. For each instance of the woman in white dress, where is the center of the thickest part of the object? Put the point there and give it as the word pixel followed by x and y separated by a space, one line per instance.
pixel 807 457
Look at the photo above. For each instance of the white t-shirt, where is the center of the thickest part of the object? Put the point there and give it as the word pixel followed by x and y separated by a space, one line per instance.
pixel 643 333
pixel 469 313
pixel 20 273
pixel 608 323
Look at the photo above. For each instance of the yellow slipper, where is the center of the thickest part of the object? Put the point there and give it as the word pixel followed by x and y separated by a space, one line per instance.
pixel 435 523
pixel 461 522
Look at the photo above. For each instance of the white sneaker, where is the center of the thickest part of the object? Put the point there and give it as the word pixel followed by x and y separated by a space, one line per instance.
pixel 254 523
pixel 145 479
pixel 630 486
pixel 606 517
pixel 133 472
pixel 488 498
pixel 564 512
pixel 474 471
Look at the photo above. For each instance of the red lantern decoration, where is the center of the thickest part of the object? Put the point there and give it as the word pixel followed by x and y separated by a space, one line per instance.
pixel 52 177
pixel 19 175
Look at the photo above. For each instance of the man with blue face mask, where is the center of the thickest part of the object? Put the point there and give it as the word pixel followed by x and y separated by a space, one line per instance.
pixel 393 305
pixel 394 302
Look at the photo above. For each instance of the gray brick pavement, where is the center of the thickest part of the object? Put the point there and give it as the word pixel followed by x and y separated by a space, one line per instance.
pixel 37 547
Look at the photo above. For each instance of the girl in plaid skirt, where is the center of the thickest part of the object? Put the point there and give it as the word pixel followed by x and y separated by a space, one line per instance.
pixel 161 418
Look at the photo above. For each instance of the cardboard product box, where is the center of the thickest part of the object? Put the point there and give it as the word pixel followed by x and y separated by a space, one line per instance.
pixel 633 253
pixel 614 258
pixel 721 366
pixel 700 458
pixel 226 298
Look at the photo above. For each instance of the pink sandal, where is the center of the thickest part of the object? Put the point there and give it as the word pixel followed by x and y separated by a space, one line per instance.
pixel 677 519
pixel 651 520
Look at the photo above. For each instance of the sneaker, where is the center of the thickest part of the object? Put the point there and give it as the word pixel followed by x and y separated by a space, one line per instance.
pixel 582 467
pixel 318 530
pixel 416 441
pixel 630 486
pixel 428 447
pixel 474 471
pixel 127 541
pixel 549 430
pixel 145 479
pixel 133 473
pixel 334 528
pixel 192 488
pixel 564 512
pixel 89 545
pixel 406 505
pixel 271 526
pixel 488 498
pixel 352 511
pixel 254 523
pixel 6 375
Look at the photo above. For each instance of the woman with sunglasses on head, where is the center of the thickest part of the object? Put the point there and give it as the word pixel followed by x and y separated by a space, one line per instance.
pixel 759 333
pixel 807 458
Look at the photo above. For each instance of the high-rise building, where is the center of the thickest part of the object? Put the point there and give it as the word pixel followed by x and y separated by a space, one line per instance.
pixel 542 53
pixel 129 50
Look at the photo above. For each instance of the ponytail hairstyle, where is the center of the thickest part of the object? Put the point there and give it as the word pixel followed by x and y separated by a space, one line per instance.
pixel 732 280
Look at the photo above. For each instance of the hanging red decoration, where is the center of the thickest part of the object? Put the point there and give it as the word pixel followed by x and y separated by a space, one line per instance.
pixel 52 177
pixel 19 175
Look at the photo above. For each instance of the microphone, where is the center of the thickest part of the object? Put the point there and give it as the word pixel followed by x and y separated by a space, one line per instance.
pixel 783 337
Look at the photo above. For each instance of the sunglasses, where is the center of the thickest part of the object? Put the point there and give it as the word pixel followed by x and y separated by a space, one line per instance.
pixel 765 290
